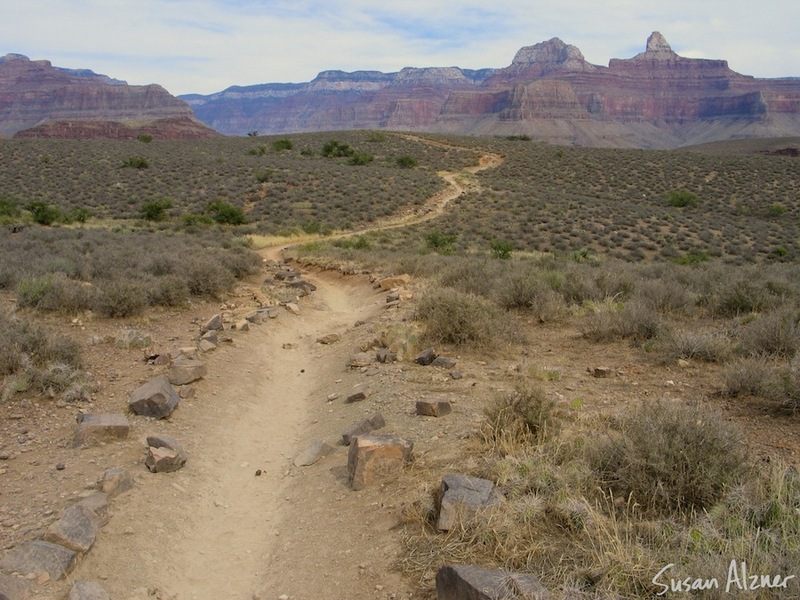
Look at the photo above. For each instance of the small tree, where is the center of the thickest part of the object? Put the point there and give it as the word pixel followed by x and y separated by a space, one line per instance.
pixel 442 243
pixel 361 158
pixel 682 198
pixel 156 210
pixel 334 149
pixel 136 162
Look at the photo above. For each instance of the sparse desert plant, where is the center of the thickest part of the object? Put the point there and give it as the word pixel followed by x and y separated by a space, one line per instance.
pixel 531 294
pixel 519 420
pixel 360 159
pixel 670 458
pixel 709 346
pixel 682 198
pixel 501 249
pixel 464 320
pixel 119 299
pixel 333 149
pixel 775 333
pixel 751 375
pixel 44 214
pixel 443 243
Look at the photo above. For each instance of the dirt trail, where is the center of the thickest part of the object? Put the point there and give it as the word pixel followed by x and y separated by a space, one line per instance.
pixel 208 530
pixel 231 524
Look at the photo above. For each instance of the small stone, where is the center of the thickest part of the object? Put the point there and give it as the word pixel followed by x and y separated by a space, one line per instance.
pixel 186 370
pixel 60 466
pixel 115 481
pixel 164 454
pixel 441 361
pixel 360 393
pixel 293 308
pixel 387 283
pixel 87 590
pixel 361 359
pixel 601 372
pixel 462 497
pixel 316 451
pixel 213 324
pixel 426 357
pixel 376 458
pixel 433 408
pixel 156 398
pixel 331 338
pixel 376 421
pixel 456 375
pixel 76 529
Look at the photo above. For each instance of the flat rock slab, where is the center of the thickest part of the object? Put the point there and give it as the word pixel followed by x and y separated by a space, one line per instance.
pixel 76 529
pixel 14 588
pixel 97 428
pixel 38 557
pixel 156 398
pixel 186 370
pixel 396 281
pixel 443 361
pixel 433 408
pixel 164 454
pixel 363 426
pixel 315 452
pixel 463 497
pixel 470 582
pixel 99 505
pixel 376 458
pixel 88 590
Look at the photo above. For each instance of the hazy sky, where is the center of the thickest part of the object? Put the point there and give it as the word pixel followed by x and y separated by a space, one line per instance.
pixel 205 46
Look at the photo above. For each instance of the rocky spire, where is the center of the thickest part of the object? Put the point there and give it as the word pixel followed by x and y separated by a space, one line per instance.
pixel 658 47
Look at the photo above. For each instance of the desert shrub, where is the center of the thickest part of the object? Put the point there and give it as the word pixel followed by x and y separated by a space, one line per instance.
pixel 119 299
pixel 752 375
pixel 609 320
pixel 31 290
pixel 665 296
pixel 168 290
pixel 519 420
pixel 532 295
pixel 775 333
pixel 80 214
pixel 226 213
pixel 259 150
pixel 709 346
pixel 734 297
pixel 240 262
pixel 67 295
pixel 145 138
pixel 155 210
pixel 406 162
pixel 206 277
pixel 284 144
pixel 670 458
pixel 136 162
pixel 8 208
pixel 463 319
pixel 26 345
pixel 358 242
pixel 196 220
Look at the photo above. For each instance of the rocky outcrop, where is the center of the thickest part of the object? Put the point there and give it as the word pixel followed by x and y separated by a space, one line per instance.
pixel 79 103
pixel 549 91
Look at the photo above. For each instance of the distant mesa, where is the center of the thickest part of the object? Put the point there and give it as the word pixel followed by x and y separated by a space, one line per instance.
pixel 656 99
pixel 39 100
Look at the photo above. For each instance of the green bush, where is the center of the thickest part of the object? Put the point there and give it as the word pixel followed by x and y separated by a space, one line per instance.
pixel 136 162
pixel 8 208
pixel 26 345
pixel 155 210
pixel 334 149
pixel 226 213
pixel 682 198
pixel 501 249
pixel 670 458
pixel 279 145
pixel 145 138
pixel 406 162
pixel 443 243
pixel 44 214
pixel 361 158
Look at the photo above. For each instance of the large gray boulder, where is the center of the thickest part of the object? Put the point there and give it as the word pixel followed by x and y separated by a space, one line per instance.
pixel 156 398
pixel 37 557
pixel 470 582
pixel 462 498
pixel 14 588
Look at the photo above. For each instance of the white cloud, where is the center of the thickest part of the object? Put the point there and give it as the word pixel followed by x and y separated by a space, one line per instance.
pixel 207 45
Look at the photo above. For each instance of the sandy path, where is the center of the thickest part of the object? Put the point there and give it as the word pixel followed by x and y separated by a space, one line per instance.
pixel 208 531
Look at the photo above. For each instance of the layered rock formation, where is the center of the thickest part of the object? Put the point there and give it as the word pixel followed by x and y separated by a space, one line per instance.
pixel 79 103
pixel 549 91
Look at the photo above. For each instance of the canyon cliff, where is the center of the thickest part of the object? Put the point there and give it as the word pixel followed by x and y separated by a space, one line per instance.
pixel 39 100
pixel 657 99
